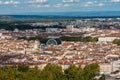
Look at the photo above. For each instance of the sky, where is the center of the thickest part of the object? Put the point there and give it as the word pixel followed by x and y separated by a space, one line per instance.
pixel 24 6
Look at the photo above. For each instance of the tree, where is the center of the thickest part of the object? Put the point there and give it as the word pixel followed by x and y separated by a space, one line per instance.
pixel 90 71
pixel 71 72
pixel 116 41
pixel 102 77
pixel 52 72
pixel 23 68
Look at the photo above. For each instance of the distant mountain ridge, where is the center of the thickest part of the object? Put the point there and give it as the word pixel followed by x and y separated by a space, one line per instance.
pixel 66 14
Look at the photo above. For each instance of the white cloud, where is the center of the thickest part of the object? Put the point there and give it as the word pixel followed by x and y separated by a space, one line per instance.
pixel 40 6
pixel 41 0
pixel 88 4
pixel 58 5
pixel 9 2
pixel 67 5
pixel 46 6
pixel 70 0
pixel 100 4
pixel 115 0
pixel 63 5
pixel 37 1
pixel 0 2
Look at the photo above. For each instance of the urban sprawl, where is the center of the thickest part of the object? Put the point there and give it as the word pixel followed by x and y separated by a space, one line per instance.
pixel 15 50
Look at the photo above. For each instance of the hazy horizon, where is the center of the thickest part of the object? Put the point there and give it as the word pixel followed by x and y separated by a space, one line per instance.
pixel 65 14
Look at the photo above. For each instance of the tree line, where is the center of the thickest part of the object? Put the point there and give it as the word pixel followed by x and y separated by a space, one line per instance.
pixel 50 72
pixel 117 41
pixel 25 26
pixel 64 38
pixel 79 39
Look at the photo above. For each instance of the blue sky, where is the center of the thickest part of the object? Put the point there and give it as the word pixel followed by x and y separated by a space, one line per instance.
pixel 22 6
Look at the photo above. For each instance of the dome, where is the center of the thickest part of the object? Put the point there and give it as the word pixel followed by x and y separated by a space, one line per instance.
pixel 53 42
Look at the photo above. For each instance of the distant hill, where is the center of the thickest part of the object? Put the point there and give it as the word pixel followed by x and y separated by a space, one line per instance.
pixel 66 14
